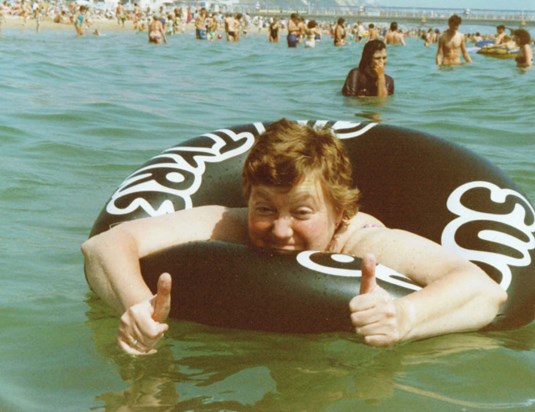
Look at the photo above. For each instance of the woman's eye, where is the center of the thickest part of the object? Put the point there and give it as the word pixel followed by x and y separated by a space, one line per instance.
pixel 263 210
pixel 303 213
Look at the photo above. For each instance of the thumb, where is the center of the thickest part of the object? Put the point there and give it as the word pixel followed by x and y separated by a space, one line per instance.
pixel 162 304
pixel 368 282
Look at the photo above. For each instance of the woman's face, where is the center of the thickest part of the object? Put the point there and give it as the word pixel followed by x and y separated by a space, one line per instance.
pixel 379 58
pixel 302 218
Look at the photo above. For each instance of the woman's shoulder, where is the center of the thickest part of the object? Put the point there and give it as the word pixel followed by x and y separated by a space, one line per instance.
pixel 362 219
pixel 355 73
pixel 356 232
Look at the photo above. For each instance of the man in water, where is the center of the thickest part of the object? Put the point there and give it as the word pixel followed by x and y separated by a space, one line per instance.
pixel 500 35
pixel 451 44
pixel 200 25
pixel 393 36
pixel 294 30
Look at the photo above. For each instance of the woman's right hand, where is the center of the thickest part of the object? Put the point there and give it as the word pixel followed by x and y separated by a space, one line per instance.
pixel 142 325
pixel 378 68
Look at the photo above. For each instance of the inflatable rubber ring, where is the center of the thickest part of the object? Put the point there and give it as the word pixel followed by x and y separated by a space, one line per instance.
pixel 408 179
pixel 501 52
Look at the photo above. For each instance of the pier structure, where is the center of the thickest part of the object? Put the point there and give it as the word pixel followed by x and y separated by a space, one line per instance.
pixel 413 15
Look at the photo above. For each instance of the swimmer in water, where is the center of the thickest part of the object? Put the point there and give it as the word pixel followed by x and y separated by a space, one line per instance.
pixel 525 53
pixel 451 44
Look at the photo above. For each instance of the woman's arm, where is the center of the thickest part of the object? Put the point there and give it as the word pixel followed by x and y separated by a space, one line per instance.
pixel 382 90
pixel 527 55
pixel 112 259
pixel 380 82
pixel 456 295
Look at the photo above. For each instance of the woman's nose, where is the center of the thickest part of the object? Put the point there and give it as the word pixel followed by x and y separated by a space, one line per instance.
pixel 282 227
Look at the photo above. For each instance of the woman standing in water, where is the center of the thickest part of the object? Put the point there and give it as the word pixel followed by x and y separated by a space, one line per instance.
pixel 156 31
pixel 273 31
pixel 369 78
pixel 339 32
pixel 525 54
pixel 312 32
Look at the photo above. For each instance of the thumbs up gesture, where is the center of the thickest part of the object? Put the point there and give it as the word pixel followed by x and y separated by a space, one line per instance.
pixel 142 325
pixel 368 282
pixel 374 313
pixel 162 300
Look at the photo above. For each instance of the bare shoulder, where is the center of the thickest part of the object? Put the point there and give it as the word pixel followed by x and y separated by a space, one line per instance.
pixel 352 236
pixel 419 258
pixel 368 234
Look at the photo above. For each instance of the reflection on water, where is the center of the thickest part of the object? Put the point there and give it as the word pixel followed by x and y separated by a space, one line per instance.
pixel 200 367
pixel 373 116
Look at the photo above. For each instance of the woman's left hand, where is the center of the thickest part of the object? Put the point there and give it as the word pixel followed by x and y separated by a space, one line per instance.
pixel 375 315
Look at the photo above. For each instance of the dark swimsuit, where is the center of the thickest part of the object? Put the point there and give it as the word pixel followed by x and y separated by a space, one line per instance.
pixel 274 32
pixel 359 84
pixel 292 37
pixel 292 40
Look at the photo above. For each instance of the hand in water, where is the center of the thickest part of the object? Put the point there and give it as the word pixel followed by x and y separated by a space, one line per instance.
pixel 142 325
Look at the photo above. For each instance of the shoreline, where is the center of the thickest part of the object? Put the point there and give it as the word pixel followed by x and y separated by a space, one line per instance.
pixel 47 23
pixel 106 25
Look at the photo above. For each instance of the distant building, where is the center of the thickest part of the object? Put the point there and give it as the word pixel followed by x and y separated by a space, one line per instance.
pixel 215 5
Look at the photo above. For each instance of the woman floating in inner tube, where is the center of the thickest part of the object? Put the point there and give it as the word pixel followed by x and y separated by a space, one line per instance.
pixel 298 185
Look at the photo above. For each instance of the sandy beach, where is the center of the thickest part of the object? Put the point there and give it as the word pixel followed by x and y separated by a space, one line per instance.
pixel 96 22
pixel 46 23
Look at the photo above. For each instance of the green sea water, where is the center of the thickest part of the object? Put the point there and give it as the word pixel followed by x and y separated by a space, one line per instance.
pixel 77 115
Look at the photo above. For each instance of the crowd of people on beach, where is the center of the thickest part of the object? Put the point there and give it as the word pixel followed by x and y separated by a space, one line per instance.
pixel 368 79
pixel 209 25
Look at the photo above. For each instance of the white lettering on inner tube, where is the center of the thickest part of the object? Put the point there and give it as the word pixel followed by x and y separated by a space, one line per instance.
pixel 172 159
pixel 381 272
pixel 521 220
